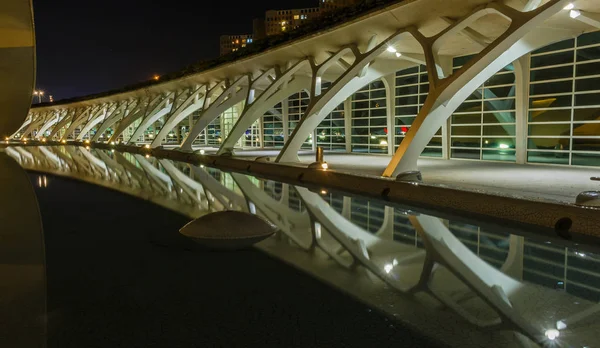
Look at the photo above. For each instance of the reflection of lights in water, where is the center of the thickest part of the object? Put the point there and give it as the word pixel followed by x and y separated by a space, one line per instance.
pixel 252 208
pixel 388 268
pixel 580 254
pixel 552 334
pixel 147 156
pixel 569 7
pixel 202 152
pixel 373 137
pixel 202 166
pixel 318 229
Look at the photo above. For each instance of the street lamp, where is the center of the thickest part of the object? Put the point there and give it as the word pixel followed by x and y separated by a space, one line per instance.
pixel 39 94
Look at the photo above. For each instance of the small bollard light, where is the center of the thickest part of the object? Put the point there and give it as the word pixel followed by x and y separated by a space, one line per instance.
pixel 202 152
pixel 319 162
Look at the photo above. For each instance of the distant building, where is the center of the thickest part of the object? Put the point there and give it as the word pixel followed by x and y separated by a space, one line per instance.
pixel 232 43
pixel 278 21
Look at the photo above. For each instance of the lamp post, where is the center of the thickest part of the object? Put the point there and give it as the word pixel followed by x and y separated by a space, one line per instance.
pixel 39 94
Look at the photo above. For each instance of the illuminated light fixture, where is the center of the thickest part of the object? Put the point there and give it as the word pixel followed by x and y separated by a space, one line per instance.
pixel 391 49
pixel 147 146
pixel 6 138
pixel 324 166
pixel 25 142
pixel 503 146
pixel 43 140
pixel 87 147
pixel 388 268
pixel 383 142
pixel 570 6
pixel 552 334
pixel 113 151
pixel 147 156
pixel 112 142
pixel 202 152
pixel 63 141
pixel 574 14
pixel 398 54
pixel 156 77
pixel 373 137
pixel 87 141
pixel 323 192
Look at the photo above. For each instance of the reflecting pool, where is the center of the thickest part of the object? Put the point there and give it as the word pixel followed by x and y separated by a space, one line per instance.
pixel 455 281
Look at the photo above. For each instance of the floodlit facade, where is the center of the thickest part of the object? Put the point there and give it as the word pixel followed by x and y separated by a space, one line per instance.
pixel 481 81
pixel 232 43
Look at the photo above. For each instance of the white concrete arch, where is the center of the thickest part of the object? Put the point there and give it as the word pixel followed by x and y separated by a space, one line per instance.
pixel 93 112
pixel 156 104
pixel 232 95
pixel 192 103
pixel 68 119
pixel 37 120
pixel 114 115
pixel 280 88
pixel 346 85
pixel 51 122
pixel 447 94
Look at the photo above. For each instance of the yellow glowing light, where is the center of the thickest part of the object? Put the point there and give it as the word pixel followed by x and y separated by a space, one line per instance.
pixel 323 192
pixel 147 156
pixel 87 141
pixel 87 147
pixel 43 140
pixel 63 141
pixel 324 166
pixel 112 142
pixel 383 142
pixel 147 146
pixel 156 77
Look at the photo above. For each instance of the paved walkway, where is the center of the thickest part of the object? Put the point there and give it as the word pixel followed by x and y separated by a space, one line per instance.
pixel 535 182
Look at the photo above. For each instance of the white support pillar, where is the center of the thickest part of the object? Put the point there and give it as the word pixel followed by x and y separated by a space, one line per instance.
pixel 348 123
pixel 390 96
pixel 521 106
pixel 285 111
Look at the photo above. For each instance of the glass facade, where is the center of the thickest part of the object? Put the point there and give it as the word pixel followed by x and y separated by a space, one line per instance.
pixel 412 88
pixel 273 136
pixel 563 123
pixel 297 104
pixel 369 119
pixel 331 134
pixel 484 126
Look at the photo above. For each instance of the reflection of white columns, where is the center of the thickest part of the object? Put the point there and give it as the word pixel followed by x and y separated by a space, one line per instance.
pixel 386 231
pixel 347 207
pixel 513 266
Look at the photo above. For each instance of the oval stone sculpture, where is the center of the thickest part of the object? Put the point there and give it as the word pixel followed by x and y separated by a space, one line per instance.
pixel 228 230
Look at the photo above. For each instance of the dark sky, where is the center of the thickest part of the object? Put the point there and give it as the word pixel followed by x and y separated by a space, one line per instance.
pixel 85 47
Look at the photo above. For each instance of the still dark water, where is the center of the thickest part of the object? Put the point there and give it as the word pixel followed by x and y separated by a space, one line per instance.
pixel 120 275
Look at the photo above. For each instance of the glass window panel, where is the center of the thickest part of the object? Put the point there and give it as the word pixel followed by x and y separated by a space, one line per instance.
pixel 407 90
pixel 432 152
pixel 547 157
pixel 550 102
pixel 548 143
pixel 499 130
pixel 466 154
pixel 499 155
pixel 414 100
pixel 586 129
pixel 360 96
pixel 422 99
pixel 470 107
pixel 587 84
pixel 586 144
pixel 460 61
pixel 552 59
pixel 466 142
pixel 499 143
pixel 557 46
pixel 407 71
pixel 588 69
pixel 584 159
pixel 552 73
pixel 590 53
pixel 587 114
pixel 587 99
pixel 423 78
pixel 550 115
pixel 379 121
pixel 377 84
pixel 407 80
pixel 499 104
pixel 550 129
pixel 499 92
pixel 379 103
pixel 409 110
pixel 378 94
pixel 466 130
pixel 499 117
pixel 378 112
pixel 466 118
pixel 360 113
pixel 360 122
pixel 404 121
pixel 502 79
pixel 589 39
pixel 360 105
pixel 551 87
pixel 424 88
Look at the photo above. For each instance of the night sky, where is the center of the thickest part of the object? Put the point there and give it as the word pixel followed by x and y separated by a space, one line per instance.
pixel 86 47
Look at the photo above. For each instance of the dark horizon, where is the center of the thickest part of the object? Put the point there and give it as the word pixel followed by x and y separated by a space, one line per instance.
pixel 93 49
